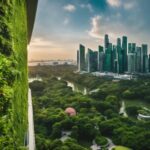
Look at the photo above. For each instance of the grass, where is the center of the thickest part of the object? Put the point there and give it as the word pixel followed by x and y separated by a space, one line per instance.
pixel 121 148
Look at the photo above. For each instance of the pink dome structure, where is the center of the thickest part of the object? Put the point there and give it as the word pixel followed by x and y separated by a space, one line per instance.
pixel 70 111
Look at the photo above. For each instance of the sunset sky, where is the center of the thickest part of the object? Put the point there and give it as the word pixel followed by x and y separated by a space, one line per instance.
pixel 61 25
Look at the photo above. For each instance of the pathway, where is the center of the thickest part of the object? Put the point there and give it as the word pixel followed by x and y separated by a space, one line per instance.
pixel 31 135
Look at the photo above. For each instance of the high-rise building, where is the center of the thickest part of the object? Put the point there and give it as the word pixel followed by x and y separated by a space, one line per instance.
pixel 131 62
pixel 145 57
pixel 133 47
pixel 100 59
pixel 92 60
pixel 132 58
pixel 138 59
pixel 118 42
pixel 114 59
pixel 120 56
pixel 107 60
pixel 124 49
pixel 106 41
pixel 130 48
pixel 82 66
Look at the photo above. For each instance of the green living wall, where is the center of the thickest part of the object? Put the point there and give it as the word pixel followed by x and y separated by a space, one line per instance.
pixel 13 74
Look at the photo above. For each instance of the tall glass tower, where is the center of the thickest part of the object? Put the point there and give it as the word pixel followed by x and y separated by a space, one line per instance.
pixel 106 41
pixel 82 66
pixel 120 56
pixel 92 60
pixel 124 49
pixel 107 62
pixel 145 57
pixel 100 58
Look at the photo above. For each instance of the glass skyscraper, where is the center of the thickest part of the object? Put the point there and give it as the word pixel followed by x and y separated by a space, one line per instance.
pixel 82 66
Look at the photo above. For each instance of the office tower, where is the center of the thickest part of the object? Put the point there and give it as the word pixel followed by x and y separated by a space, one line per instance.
pixel 115 60
pixel 118 42
pixel 130 48
pixel 78 58
pixel 131 62
pixel 82 58
pixel 133 47
pixel 124 49
pixel 100 58
pixel 106 41
pixel 120 56
pixel 107 60
pixel 138 59
pixel 131 57
pixel 116 68
pixel 92 60
pixel 145 58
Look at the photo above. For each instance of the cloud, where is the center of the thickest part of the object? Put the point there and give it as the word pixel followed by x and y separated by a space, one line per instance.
pixel 66 21
pixel 95 30
pixel 129 5
pixel 114 3
pixel 70 8
pixel 87 6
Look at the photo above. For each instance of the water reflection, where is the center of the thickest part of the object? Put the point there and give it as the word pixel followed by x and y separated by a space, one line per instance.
pixel 76 87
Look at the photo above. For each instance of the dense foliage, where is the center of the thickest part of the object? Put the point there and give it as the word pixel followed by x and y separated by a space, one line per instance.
pixel 97 116
pixel 13 74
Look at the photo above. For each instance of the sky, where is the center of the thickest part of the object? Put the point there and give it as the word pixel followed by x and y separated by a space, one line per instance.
pixel 61 25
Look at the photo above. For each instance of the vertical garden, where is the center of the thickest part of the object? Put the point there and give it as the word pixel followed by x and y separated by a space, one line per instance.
pixel 13 74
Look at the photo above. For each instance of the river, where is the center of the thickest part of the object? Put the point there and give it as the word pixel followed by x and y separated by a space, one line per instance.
pixel 76 87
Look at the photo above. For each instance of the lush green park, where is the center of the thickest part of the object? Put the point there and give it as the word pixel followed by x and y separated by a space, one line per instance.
pixel 97 116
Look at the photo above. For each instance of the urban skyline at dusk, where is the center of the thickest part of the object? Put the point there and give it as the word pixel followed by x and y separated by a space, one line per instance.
pixel 121 57
pixel 57 33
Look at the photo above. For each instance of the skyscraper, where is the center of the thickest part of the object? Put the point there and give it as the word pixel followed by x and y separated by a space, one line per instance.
pixel 114 60
pixel 124 49
pixel 131 62
pixel 118 42
pixel 131 58
pixel 133 47
pixel 130 48
pixel 100 58
pixel 138 59
pixel 82 66
pixel 120 56
pixel 107 60
pixel 106 41
pixel 92 60
pixel 145 57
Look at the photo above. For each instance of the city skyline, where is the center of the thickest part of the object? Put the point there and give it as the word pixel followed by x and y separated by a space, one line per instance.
pixel 123 57
pixel 57 33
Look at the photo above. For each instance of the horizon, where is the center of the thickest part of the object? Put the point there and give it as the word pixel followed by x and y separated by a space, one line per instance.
pixel 57 34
